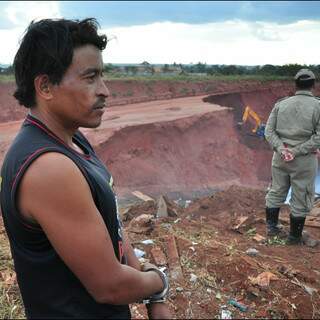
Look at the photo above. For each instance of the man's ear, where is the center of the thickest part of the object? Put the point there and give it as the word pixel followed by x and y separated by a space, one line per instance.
pixel 43 87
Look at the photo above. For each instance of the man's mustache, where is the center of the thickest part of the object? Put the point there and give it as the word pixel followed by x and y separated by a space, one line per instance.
pixel 99 104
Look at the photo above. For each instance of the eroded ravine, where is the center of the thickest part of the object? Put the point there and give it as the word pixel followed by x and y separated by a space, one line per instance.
pixel 182 147
pixel 194 155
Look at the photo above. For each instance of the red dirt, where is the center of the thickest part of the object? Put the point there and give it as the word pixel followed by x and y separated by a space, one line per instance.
pixel 191 147
pixel 211 250
pixel 184 155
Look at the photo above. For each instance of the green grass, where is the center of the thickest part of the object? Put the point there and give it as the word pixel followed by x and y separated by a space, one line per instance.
pixel 6 78
pixel 182 77
pixel 251 232
pixel 276 241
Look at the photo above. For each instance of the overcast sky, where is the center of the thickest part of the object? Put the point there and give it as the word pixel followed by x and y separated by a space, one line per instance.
pixel 212 32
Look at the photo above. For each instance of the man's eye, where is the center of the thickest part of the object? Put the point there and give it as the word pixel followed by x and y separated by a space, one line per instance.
pixel 91 78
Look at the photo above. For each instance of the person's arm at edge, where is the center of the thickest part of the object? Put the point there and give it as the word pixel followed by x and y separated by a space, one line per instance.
pixel 76 230
pixel 270 131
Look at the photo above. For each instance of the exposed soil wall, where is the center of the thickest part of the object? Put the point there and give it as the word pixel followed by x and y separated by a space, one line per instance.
pixel 192 155
pixel 260 100
pixel 198 154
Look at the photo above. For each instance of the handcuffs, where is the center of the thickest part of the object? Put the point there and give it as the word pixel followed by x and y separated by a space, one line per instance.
pixel 159 296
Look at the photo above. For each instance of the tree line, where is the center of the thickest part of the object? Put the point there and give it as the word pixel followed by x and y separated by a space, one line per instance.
pixel 288 70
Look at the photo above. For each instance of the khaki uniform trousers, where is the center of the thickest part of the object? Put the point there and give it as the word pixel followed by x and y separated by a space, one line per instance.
pixel 300 174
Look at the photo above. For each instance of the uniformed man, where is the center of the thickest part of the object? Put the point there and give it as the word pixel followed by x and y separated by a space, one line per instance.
pixel 293 131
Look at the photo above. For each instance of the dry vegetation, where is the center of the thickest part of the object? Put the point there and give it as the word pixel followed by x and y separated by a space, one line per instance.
pixel 10 299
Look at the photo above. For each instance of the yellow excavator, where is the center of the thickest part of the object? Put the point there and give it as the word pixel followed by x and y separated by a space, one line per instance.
pixel 259 128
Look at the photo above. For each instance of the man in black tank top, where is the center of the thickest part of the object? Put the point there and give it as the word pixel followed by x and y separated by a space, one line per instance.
pixel 71 256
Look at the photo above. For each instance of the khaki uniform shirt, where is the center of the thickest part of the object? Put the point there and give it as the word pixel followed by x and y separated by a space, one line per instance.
pixel 295 122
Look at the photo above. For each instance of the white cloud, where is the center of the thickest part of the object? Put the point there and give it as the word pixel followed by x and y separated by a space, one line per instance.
pixel 9 39
pixel 229 42
pixel 20 13
pixel 267 32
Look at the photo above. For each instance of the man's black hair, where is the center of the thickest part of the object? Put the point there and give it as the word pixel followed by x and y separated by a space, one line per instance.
pixel 47 48
pixel 304 84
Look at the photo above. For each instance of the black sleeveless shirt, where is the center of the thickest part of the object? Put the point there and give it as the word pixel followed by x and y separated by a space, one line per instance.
pixel 48 287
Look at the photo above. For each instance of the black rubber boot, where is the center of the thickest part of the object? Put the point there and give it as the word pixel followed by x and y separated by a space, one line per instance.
pixel 296 228
pixel 298 236
pixel 272 217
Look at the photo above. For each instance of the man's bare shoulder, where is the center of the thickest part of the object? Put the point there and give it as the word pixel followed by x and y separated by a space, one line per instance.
pixel 51 179
pixel 51 163
pixel 52 169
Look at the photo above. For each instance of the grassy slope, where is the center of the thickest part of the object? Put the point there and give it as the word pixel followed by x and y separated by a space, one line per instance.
pixel 164 77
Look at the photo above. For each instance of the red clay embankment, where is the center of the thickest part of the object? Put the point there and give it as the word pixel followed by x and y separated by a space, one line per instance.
pixel 197 154
pixel 184 146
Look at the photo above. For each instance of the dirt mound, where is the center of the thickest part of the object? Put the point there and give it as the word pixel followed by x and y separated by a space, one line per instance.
pixel 235 200
pixel 219 274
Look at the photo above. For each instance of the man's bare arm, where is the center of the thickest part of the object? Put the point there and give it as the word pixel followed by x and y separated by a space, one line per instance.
pixel 55 194
pixel 132 260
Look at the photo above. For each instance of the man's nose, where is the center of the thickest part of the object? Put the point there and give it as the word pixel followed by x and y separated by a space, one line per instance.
pixel 103 89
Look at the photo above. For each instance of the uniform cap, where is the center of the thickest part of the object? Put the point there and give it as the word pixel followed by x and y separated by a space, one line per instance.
pixel 306 74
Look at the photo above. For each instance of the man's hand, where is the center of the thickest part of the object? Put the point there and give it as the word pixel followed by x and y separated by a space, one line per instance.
pixel 287 155
pixel 158 311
